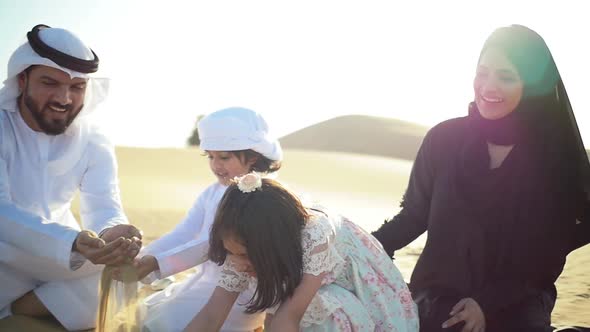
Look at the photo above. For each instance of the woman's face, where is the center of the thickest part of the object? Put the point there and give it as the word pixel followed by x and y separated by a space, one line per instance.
pixel 497 85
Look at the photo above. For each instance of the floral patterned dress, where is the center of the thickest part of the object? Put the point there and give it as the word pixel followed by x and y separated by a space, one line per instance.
pixel 362 290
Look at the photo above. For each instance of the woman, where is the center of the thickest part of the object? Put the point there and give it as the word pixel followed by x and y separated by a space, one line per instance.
pixel 502 194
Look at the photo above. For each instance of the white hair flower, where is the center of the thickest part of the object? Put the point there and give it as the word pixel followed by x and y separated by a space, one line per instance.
pixel 249 182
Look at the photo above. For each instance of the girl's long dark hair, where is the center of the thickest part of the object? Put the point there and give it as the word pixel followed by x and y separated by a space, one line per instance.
pixel 269 222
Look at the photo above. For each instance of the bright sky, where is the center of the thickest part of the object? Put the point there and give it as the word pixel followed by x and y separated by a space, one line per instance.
pixel 296 62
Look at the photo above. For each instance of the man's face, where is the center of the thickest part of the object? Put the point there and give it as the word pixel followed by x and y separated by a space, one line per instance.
pixel 50 99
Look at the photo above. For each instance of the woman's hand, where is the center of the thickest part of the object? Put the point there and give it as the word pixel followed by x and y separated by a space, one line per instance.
pixel 467 310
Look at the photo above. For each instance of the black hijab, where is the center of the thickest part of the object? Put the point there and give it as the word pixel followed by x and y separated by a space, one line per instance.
pixel 544 117
pixel 516 208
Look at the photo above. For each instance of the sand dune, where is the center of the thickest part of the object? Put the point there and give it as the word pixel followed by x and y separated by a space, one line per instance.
pixel 362 134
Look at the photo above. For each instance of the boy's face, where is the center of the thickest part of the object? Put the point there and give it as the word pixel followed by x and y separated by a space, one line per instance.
pixel 226 165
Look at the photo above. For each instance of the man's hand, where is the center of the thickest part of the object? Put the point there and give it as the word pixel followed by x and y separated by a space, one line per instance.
pixel 124 230
pixel 97 251
pixel 467 310
pixel 130 233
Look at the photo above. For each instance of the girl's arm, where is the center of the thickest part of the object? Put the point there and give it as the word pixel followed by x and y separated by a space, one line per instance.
pixel 268 320
pixel 291 311
pixel 214 313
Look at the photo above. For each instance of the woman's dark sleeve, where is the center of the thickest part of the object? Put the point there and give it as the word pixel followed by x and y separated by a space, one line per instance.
pixel 412 220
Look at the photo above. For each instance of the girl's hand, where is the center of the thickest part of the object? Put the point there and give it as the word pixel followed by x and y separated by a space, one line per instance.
pixel 467 310
pixel 290 312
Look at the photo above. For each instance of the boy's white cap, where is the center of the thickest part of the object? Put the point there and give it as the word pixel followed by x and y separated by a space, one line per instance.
pixel 238 128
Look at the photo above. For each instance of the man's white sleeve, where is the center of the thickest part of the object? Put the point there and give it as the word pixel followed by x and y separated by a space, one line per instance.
pixel 100 201
pixel 32 233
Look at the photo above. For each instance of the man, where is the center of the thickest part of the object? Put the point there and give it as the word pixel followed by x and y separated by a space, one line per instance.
pixel 48 152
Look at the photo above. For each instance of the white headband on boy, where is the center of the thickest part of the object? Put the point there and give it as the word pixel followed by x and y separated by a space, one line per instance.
pixel 237 128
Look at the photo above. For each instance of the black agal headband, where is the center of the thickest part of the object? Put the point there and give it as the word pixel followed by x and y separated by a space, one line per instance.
pixel 62 59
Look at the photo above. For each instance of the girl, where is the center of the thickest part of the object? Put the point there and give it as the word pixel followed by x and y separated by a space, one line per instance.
pixel 236 141
pixel 311 270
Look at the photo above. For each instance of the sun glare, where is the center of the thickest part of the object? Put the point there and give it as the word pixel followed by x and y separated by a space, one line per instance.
pixel 305 62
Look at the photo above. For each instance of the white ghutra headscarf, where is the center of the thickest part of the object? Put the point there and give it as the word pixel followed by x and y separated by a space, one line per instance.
pixel 63 42
pixel 47 47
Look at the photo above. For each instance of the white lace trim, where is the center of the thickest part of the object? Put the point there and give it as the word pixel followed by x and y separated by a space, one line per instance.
pixel 317 241
pixel 321 307
pixel 320 255
pixel 232 280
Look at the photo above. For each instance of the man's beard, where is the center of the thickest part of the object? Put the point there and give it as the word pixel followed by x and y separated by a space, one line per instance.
pixel 41 116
